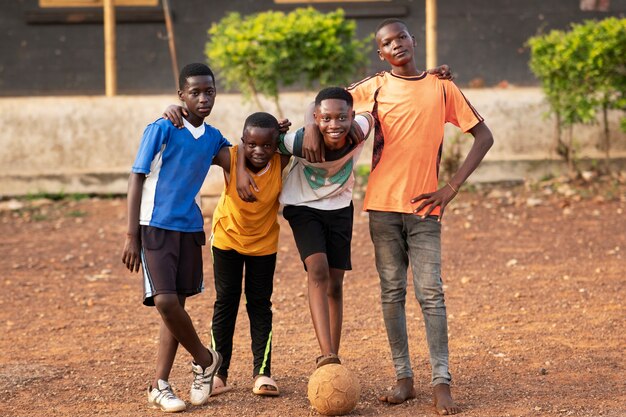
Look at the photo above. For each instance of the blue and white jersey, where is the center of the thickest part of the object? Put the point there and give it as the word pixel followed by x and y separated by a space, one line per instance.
pixel 176 162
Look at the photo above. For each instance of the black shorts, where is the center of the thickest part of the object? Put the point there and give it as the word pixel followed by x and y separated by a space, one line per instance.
pixel 172 262
pixel 322 231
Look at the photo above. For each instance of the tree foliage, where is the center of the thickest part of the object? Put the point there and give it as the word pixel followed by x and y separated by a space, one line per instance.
pixel 582 71
pixel 260 53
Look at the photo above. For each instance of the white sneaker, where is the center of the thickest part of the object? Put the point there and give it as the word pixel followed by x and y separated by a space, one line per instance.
pixel 202 384
pixel 164 398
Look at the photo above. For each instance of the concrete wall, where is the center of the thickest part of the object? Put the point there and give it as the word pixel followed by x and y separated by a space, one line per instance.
pixel 87 144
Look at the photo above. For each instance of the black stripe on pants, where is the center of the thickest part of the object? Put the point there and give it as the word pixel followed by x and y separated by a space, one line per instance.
pixel 228 267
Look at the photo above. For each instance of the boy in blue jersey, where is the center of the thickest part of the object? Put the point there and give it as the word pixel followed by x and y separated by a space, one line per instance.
pixel 165 231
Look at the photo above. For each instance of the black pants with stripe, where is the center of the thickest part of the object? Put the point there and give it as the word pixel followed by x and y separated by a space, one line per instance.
pixel 228 268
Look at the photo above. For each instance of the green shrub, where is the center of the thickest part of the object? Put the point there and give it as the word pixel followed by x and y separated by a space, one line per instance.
pixel 582 72
pixel 260 53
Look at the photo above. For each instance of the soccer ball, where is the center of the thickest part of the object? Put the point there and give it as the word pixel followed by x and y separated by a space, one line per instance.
pixel 333 390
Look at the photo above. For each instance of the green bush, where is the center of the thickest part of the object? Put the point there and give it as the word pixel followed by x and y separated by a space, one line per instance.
pixel 260 53
pixel 582 71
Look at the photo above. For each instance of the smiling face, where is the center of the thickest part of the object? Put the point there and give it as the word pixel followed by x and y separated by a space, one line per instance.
pixel 198 95
pixel 334 117
pixel 396 45
pixel 259 145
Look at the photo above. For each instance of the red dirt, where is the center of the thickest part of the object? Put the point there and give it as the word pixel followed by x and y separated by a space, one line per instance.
pixel 535 295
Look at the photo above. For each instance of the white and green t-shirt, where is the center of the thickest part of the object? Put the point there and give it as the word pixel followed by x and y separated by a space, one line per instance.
pixel 323 185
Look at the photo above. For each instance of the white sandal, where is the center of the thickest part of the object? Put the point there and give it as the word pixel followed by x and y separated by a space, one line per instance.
pixel 260 386
pixel 219 386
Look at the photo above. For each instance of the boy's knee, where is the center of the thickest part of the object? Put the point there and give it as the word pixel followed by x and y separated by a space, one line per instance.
pixel 227 297
pixel 430 299
pixel 393 294
pixel 258 302
pixel 318 272
pixel 166 303
pixel 335 289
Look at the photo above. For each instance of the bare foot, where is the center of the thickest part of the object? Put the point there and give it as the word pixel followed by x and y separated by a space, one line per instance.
pixel 444 404
pixel 403 391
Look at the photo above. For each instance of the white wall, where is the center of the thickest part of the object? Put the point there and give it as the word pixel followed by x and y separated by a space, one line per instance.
pixel 87 144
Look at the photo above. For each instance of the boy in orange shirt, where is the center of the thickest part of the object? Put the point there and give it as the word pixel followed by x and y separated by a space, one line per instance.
pixel 410 108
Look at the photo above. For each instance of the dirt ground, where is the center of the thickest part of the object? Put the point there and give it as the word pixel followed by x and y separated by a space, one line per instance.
pixel 535 287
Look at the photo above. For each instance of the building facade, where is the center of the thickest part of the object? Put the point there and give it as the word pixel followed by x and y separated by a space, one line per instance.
pixel 55 47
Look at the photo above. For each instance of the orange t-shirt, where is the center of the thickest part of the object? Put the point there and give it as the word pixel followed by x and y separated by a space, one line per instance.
pixel 409 115
pixel 249 228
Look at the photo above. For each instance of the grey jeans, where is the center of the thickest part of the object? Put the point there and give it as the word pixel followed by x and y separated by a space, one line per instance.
pixel 399 238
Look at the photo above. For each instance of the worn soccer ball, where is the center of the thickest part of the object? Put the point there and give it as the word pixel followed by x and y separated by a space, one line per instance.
pixel 333 390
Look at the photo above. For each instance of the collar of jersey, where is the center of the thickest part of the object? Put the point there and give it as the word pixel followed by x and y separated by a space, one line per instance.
pixel 196 132
pixel 263 171
pixel 410 78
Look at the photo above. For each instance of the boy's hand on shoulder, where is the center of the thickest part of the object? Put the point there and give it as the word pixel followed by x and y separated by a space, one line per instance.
pixel 312 144
pixel 175 114
pixel 245 185
pixel 284 125
pixel 131 255
pixel 442 72
pixel 440 198
pixel 355 135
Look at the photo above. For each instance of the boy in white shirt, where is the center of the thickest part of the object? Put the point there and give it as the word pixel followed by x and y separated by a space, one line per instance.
pixel 318 205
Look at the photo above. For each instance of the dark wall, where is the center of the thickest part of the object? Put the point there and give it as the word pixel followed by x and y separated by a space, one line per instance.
pixel 485 38
pixel 41 53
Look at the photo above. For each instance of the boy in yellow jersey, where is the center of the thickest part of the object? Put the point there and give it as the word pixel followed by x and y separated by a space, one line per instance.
pixel 246 235
pixel 404 201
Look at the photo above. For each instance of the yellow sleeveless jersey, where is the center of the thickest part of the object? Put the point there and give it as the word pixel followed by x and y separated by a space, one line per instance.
pixel 249 228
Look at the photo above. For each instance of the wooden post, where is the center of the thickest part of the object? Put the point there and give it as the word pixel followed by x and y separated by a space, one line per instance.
pixel 170 40
pixel 431 34
pixel 110 62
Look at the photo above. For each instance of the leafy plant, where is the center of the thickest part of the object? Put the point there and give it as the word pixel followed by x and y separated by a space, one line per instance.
pixel 260 53
pixel 582 71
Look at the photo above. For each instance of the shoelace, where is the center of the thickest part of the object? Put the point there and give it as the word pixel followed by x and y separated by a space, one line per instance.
pixel 199 380
pixel 165 394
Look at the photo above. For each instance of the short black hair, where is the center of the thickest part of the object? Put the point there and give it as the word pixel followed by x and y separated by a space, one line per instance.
pixel 390 21
pixel 262 120
pixel 334 92
pixel 191 70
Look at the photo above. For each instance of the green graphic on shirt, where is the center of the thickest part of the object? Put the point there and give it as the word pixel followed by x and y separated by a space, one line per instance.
pixel 343 174
pixel 316 177
pixel 282 149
